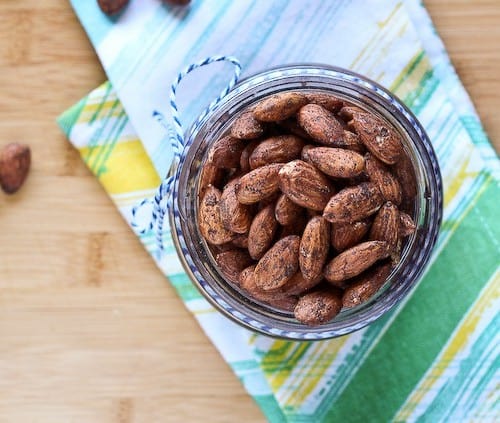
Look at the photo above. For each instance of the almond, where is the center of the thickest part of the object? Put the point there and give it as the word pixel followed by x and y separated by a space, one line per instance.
pixel 240 241
pixel 286 211
pixel 209 218
pixel 347 235
pixel 232 262
pixel 327 101
pixel 320 124
pixel 378 137
pixel 406 225
pixel 314 246
pixel 305 185
pixel 262 231
pixel 387 183
pixel 226 152
pixel 236 217
pixel 353 203
pixel 366 285
pixel 297 284
pixel 318 307
pixel 355 260
pixel 347 112
pixel 337 162
pixel 210 175
pixel 112 7
pixel 276 298
pixel 279 106
pixel 279 149
pixel 291 126
pixel 385 227
pixel 246 127
pixel 352 142
pixel 403 170
pixel 258 184
pixel 279 264
pixel 15 162
pixel 245 156
pixel 304 155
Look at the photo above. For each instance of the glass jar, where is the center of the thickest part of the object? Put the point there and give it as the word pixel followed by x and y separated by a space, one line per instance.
pixel 196 256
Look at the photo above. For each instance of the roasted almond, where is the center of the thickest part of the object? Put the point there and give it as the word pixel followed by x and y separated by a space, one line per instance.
pixel 347 112
pixel 246 127
pixel 245 156
pixel 347 235
pixel 279 149
pixel 318 307
pixel 232 262
pixel 314 246
pixel 259 184
pixel 236 216
pixel 290 125
pixel 366 285
pixel 240 241
pixel 286 211
pixel 279 264
pixel 387 183
pixel 336 162
pixel 305 185
pixel 15 162
pixel 353 203
pixel 385 227
pixel 403 169
pixel 320 124
pixel 379 137
pixel 406 225
pixel 355 260
pixel 210 175
pixel 297 285
pixel 352 142
pixel 262 231
pixel 209 218
pixel 226 152
pixel 279 106
pixel 327 101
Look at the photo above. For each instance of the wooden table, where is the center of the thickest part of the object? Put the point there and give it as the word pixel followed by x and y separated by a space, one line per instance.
pixel 89 329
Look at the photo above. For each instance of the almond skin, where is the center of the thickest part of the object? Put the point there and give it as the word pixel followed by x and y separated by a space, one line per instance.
pixel 297 285
pixel 337 162
pixel 355 260
pixel 403 170
pixel 209 218
pixel 286 211
pixel 387 183
pixel 15 162
pixel 320 124
pixel 259 184
pixel 406 225
pixel 385 227
pixel 246 127
pixel 236 217
pixel 379 137
pixel 262 231
pixel 318 307
pixel 327 101
pixel 353 203
pixel 232 262
pixel 245 156
pixel 279 106
pixel 314 246
pixel 279 149
pixel 347 235
pixel 226 152
pixel 279 264
pixel 305 185
pixel 366 285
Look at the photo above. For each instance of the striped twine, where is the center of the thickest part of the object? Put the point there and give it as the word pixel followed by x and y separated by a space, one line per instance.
pixel 161 203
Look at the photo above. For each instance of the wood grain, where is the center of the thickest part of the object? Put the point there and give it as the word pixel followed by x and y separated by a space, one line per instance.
pixel 89 329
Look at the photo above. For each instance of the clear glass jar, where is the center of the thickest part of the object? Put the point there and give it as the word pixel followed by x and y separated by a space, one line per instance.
pixel 196 256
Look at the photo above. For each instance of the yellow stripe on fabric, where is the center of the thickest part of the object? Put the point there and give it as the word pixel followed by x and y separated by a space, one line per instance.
pixel 409 78
pixel 128 168
pixel 308 378
pixel 454 184
pixel 88 112
pixel 369 46
pixel 455 345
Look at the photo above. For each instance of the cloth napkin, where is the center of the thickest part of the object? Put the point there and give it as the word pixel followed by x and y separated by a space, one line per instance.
pixel 434 358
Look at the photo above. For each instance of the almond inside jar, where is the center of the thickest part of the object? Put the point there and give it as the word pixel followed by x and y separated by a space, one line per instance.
pixel 305 203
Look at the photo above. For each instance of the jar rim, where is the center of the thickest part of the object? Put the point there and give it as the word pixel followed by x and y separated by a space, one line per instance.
pixel 366 313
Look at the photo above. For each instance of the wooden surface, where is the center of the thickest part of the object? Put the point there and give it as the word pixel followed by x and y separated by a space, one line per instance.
pixel 89 329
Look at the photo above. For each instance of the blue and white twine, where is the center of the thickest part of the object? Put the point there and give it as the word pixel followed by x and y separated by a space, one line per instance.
pixel 161 202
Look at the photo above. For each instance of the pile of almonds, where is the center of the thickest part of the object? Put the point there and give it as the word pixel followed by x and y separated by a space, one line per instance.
pixel 304 203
